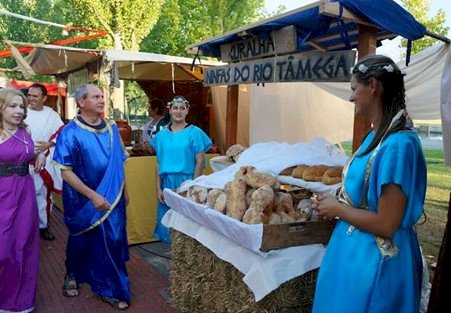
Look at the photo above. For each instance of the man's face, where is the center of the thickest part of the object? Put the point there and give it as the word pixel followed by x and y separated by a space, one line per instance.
pixel 94 103
pixel 36 99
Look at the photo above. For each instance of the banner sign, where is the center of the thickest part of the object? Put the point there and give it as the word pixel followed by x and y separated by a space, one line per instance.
pixel 280 41
pixel 317 67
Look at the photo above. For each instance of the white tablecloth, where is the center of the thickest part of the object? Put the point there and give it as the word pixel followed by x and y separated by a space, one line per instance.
pixel 263 271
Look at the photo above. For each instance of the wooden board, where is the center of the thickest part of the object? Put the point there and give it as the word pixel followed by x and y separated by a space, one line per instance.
pixel 278 42
pixel 311 67
pixel 296 234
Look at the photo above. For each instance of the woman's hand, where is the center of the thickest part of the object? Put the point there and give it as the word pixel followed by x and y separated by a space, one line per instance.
pixel 40 162
pixel 160 195
pixel 327 206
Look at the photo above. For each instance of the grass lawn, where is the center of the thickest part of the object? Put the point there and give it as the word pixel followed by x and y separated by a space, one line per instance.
pixel 430 229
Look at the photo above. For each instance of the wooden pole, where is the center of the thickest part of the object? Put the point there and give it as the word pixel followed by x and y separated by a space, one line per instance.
pixel 366 46
pixel 232 115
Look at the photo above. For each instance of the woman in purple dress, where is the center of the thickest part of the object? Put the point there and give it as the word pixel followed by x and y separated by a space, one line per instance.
pixel 19 235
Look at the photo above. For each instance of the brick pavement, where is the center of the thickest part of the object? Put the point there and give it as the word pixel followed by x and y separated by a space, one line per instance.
pixel 149 288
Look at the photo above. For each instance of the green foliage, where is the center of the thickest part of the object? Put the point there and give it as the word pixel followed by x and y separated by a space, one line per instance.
pixel 184 22
pixel 419 9
pixel 128 21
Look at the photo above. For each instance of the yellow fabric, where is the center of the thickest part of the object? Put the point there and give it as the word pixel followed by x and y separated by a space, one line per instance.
pixel 142 207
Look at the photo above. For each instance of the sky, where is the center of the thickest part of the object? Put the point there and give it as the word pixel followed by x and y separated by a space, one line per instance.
pixel 389 47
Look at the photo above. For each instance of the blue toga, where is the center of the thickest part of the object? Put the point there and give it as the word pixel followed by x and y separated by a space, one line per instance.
pixel 97 247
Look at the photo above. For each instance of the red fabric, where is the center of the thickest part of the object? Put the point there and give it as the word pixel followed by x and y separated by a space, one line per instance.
pixel 52 88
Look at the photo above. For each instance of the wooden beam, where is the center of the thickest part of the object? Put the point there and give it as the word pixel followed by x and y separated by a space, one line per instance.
pixel 366 46
pixel 317 46
pixel 232 115
pixel 196 74
pixel 333 9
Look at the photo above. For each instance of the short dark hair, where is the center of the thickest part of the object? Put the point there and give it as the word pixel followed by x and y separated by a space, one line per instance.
pixel 157 105
pixel 40 86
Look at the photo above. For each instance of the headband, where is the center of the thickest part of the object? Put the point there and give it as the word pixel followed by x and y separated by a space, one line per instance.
pixel 179 99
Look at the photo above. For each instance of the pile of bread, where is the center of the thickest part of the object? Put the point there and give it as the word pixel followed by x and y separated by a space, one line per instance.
pixel 328 175
pixel 254 197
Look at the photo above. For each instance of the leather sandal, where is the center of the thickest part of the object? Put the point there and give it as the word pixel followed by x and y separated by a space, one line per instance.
pixel 70 287
pixel 115 303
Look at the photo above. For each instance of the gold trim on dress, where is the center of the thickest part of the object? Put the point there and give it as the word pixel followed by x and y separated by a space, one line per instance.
pixel 91 129
pixel 61 166
pixel 105 216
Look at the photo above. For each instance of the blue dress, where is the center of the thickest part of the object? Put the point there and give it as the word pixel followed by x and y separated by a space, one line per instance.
pixel 354 276
pixel 97 247
pixel 176 157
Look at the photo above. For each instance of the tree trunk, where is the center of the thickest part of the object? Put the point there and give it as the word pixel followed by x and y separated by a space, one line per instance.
pixel 117 93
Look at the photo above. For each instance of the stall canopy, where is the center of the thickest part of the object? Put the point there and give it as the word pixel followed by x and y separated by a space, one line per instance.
pixel 57 60
pixel 326 26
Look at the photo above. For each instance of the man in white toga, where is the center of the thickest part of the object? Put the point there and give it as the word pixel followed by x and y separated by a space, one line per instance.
pixel 44 124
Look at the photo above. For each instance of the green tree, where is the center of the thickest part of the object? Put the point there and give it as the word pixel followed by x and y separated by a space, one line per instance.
pixel 184 22
pixel 419 9
pixel 127 21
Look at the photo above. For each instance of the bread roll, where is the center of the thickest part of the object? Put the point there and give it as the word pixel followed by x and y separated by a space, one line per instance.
pixel 332 176
pixel 288 171
pixel 298 171
pixel 314 173
pixel 236 198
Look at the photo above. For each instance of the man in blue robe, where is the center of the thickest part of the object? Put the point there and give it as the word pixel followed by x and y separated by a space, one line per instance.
pixel 91 156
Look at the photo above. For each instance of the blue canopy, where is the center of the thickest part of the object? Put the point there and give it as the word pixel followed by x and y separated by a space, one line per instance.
pixel 333 33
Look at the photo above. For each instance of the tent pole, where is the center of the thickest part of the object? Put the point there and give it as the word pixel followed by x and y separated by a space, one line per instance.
pixel 437 36
pixel 232 115
pixel 366 46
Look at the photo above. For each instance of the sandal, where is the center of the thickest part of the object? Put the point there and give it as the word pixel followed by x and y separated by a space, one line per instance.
pixel 115 303
pixel 70 287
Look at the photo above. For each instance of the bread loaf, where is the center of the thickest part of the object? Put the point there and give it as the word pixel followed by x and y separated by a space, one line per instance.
pixel 314 173
pixel 298 171
pixel 332 176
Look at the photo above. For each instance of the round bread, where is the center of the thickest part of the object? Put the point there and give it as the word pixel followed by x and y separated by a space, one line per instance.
pixel 332 176
pixel 234 152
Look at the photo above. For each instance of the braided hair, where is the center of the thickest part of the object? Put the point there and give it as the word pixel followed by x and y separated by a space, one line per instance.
pixel 393 97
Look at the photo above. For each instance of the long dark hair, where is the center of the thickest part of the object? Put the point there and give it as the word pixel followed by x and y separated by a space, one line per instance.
pixel 384 70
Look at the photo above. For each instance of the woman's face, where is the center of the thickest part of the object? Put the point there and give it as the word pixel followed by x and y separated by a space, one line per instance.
pixel 13 112
pixel 362 97
pixel 178 111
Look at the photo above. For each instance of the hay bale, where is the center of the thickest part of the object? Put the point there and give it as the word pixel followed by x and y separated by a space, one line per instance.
pixel 201 282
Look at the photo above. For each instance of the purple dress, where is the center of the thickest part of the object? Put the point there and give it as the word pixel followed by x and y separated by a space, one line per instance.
pixel 19 235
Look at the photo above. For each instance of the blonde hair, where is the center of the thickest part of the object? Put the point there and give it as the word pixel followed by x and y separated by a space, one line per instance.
pixel 6 95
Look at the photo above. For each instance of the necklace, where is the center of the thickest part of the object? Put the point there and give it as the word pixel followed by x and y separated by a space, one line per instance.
pixel 18 138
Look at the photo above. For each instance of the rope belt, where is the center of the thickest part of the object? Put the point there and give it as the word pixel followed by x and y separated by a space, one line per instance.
pixel 8 169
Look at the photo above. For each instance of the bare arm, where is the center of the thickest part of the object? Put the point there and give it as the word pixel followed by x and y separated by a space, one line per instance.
pixel 126 197
pixel 100 203
pixel 384 222
pixel 40 161
pixel 199 163
pixel 158 190
pixel 44 145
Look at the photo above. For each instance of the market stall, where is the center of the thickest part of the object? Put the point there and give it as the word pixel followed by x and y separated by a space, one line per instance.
pixel 311 44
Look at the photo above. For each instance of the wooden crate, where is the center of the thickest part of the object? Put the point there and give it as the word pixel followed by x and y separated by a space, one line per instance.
pixel 279 236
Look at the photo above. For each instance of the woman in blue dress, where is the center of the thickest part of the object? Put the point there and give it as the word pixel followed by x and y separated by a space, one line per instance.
pixel 180 149
pixel 373 261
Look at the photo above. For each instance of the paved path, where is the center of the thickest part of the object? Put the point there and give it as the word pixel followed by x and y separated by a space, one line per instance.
pixel 150 289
